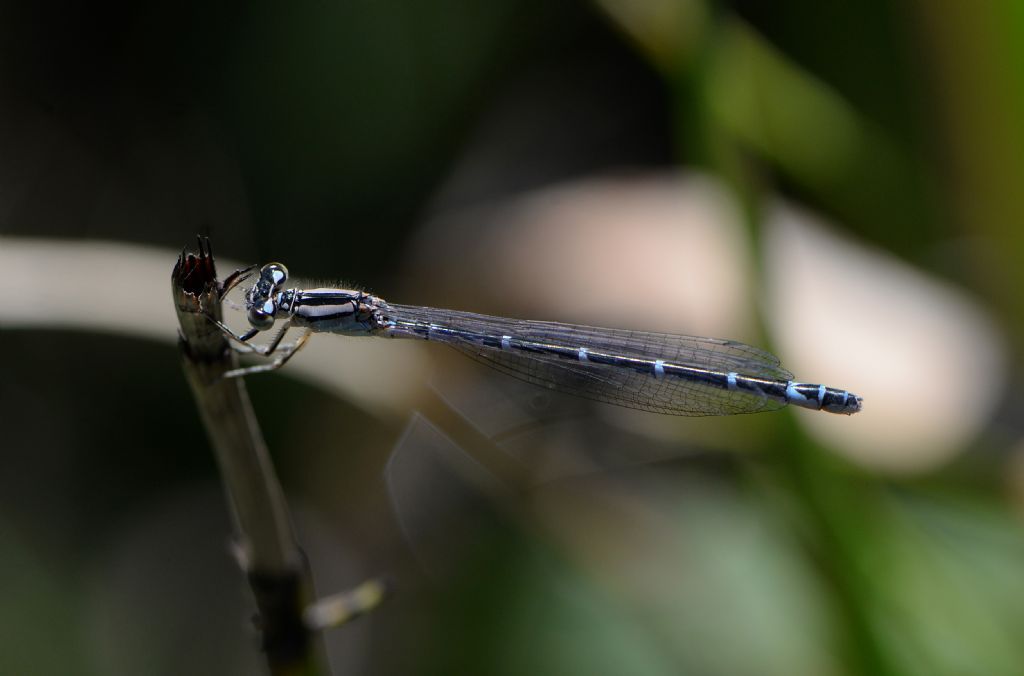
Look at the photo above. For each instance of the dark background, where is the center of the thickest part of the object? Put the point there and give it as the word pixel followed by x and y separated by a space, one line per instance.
pixel 327 135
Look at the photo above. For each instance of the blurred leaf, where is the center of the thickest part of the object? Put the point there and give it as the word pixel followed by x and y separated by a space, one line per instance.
pixel 974 50
pixel 667 31
pixel 714 585
pixel 736 92
pixel 767 104
pixel 950 594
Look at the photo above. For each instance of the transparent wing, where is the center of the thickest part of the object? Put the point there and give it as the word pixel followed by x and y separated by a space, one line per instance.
pixel 611 384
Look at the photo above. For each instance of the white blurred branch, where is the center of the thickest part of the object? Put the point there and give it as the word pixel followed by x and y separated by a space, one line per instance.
pixel 109 287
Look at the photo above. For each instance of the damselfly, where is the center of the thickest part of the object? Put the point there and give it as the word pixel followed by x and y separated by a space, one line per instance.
pixel 663 373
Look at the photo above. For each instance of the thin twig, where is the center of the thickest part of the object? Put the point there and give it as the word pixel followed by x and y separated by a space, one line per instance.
pixel 267 545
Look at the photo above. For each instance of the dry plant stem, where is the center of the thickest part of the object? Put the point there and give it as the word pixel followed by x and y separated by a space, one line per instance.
pixel 268 549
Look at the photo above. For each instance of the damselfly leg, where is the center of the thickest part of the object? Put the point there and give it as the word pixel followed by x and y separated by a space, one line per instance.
pixel 236 278
pixel 229 283
pixel 285 352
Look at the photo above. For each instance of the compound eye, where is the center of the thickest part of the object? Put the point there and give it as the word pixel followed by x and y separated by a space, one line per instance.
pixel 261 317
pixel 275 272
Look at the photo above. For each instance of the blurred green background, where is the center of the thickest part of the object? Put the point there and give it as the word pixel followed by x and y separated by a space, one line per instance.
pixel 407 147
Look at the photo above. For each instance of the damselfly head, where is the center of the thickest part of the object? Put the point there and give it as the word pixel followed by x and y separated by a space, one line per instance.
pixel 261 315
pixel 260 300
pixel 274 273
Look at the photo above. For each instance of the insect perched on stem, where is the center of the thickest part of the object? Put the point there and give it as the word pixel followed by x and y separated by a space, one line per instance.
pixel 663 373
